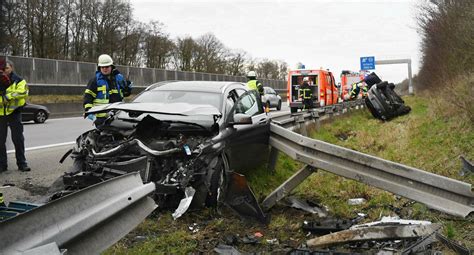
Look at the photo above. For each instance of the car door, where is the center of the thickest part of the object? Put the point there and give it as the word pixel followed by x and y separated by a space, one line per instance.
pixel 273 97
pixel 247 145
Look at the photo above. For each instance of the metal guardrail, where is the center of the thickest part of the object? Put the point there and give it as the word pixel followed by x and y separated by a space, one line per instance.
pixel 288 120
pixel 438 192
pixel 85 222
pixel 77 222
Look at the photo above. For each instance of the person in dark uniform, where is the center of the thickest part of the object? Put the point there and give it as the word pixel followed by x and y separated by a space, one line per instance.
pixel 107 86
pixel 306 94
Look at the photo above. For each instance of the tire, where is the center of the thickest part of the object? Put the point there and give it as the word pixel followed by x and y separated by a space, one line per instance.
pixel 40 116
pixel 217 181
pixel 279 105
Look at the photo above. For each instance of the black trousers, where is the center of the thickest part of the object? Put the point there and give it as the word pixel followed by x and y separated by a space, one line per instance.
pixel 14 122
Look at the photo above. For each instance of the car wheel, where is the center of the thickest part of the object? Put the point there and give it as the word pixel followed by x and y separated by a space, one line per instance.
pixel 216 183
pixel 279 105
pixel 40 116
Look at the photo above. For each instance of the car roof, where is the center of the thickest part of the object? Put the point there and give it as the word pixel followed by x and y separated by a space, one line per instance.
pixel 204 86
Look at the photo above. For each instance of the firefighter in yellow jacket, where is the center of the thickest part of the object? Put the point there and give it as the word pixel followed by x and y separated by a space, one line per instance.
pixel 253 83
pixel 14 92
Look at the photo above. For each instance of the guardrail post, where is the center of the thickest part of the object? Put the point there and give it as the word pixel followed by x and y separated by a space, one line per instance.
pixel 301 124
pixel 272 159
pixel 285 188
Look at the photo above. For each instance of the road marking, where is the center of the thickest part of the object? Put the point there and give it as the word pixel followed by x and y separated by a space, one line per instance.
pixel 43 147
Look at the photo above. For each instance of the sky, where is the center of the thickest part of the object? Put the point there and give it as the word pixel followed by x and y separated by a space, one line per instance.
pixel 328 34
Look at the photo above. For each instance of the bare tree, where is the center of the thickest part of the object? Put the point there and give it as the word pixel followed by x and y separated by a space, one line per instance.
pixel 267 69
pixel 211 54
pixel 12 34
pixel 447 31
pixel 184 53
pixel 158 47
pixel 83 29
pixel 236 63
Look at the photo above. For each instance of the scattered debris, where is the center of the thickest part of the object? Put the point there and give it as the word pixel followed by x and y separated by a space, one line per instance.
pixel 467 167
pixel 226 249
pixel 273 241
pixel 327 226
pixel 383 230
pixel 14 208
pixel 231 239
pixel 241 199
pixel 184 203
pixel 306 251
pixel 356 201
pixel 303 205
pixel 387 220
pixel 459 249
pixel 248 239
pixel 420 245
pixel 140 238
pixel 258 234
pixel 194 228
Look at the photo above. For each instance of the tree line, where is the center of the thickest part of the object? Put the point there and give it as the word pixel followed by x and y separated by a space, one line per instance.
pixel 447 32
pixel 80 30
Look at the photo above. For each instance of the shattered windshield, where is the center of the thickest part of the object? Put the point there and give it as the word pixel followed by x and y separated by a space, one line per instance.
pixel 173 96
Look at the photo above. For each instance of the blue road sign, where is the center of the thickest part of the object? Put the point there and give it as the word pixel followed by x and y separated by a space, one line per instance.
pixel 367 63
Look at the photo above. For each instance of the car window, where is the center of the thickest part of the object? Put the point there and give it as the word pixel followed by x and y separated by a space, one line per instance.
pixel 271 91
pixel 240 92
pixel 190 97
pixel 248 104
pixel 231 98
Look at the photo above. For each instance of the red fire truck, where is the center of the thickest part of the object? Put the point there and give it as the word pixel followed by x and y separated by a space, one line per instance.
pixel 322 85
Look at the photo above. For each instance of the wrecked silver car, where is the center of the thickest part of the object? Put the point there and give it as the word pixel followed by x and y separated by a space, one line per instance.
pixel 186 137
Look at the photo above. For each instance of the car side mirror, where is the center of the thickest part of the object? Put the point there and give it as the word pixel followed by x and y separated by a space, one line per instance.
pixel 241 119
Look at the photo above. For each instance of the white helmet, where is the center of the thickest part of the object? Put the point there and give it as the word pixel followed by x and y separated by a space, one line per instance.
pixel 251 74
pixel 105 60
pixel 306 79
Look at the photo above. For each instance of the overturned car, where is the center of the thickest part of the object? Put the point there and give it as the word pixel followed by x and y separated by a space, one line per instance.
pixel 186 137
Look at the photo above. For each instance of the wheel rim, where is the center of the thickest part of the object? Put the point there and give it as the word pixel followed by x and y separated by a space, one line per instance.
pixel 41 116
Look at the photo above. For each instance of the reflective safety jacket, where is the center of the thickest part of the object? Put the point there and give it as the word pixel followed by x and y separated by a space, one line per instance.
pixel 305 91
pixel 104 90
pixel 255 85
pixel 14 96
pixel 355 90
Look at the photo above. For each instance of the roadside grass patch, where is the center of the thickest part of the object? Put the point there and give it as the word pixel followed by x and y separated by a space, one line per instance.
pixel 51 99
pixel 422 139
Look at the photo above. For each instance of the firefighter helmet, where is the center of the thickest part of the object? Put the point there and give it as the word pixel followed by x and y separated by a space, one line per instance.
pixel 306 79
pixel 105 60
pixel 251 74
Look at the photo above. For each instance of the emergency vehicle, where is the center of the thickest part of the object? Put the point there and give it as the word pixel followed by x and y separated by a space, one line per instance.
pixel 322 85
pixel 347 79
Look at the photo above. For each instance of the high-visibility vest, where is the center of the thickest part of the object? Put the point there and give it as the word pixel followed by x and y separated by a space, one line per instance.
pixel 252 85
pixel 15 96
pixel 103 91
pixel 307 93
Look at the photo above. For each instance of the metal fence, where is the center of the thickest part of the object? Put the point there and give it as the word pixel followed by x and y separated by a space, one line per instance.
pixel 69 74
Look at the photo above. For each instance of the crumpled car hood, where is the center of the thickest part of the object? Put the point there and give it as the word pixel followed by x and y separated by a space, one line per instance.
pixel 161 108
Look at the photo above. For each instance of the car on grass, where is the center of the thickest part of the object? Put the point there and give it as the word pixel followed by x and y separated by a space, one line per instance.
pixel 185 136
pixel 271 99
pixel 34 112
